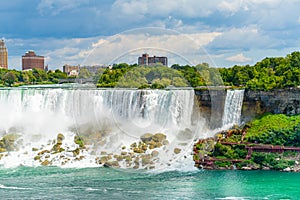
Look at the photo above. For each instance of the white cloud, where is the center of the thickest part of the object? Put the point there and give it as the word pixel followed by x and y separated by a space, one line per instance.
pixel 124 47
pixel 128 46
pixel 243 39
pixel 240 58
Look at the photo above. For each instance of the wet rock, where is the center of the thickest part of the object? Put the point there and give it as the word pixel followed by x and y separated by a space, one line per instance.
pixel 128 159
pixel 123 147
pixel 133 145
pixel 165 142
pixel 137 161
pixel 123 153
pixel 112 164
pixel 177 150
pixel 288 169
pixel 159 137
pixel 43 152
pixel 154 153
pixel 78 140
pixel 8 142
pixel 246 168
pixel 136 166
pixel 146 137
pixel 102 160
pixel 138 150
pixel 2 150
pixel 144 147
pixel 119 158
pixel 37 158
pixel 35 149
pixel 266 168
pixel 60 138
pixel 76 152
pixel 79 158
pixel 158 144
pixel 45 163
pixel 56 148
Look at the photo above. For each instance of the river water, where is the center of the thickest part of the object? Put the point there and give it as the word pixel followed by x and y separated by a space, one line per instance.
pixel 107 183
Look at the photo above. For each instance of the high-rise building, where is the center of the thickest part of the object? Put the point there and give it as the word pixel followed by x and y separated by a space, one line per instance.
pixel 3 55
pixel 32 61
pixel 147 60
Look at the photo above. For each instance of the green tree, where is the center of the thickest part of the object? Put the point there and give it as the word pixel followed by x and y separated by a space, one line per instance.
pixel 84 73
pixel 9 78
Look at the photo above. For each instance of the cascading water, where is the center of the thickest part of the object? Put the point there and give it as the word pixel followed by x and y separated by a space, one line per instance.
pixel 232 108
pixel 110 119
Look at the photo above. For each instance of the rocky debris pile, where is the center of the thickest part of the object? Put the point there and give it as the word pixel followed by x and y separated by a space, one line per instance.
pixel 140 155
pixel 72 150
pixel 60 154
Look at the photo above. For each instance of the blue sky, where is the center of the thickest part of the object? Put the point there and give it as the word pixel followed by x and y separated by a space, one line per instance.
pixel 222 33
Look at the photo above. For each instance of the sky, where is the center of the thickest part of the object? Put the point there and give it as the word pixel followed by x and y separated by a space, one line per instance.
pixel 222 33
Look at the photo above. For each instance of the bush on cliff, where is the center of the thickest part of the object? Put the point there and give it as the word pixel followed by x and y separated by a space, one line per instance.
pixel 277 129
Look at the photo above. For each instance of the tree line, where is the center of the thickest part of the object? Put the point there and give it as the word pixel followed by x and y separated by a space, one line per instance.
pixel 267 74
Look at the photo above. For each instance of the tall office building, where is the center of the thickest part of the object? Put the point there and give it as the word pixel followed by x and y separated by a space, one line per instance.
pixel 32 61
pixel 3 55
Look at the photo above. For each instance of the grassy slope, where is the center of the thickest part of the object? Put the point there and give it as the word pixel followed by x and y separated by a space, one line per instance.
pixel 271 122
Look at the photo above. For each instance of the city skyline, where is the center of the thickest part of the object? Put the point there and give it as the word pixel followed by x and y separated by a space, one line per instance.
pixel 230 32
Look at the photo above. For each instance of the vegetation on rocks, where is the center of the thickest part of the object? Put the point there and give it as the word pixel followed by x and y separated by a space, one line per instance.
pixel 270 142
pixel 275 129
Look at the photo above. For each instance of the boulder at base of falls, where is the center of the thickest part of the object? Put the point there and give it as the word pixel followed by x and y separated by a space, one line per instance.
pixel 159 137
pixel 7 143
pixel 177 150
pixel 111 164
pixel 147 137
pixel 78 140
pixel 60 138
pixel 45 163
pixel 154 153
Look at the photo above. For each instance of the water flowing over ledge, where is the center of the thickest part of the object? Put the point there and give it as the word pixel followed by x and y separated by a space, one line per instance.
pixel 114 124
pixel 110 119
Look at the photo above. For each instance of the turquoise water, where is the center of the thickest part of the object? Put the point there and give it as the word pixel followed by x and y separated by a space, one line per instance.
pixel 104 183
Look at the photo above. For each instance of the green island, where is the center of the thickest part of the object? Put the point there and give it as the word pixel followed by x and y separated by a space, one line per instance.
pixel 270 142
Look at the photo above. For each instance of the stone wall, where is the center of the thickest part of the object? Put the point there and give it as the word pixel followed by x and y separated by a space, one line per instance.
pixel 255 103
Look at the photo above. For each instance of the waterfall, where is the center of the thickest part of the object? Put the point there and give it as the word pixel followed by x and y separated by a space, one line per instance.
pixel 233 107
pixel 53 110
pixel 117 116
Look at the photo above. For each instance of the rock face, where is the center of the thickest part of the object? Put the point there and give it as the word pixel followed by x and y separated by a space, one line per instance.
pixel 280 101
pixel 211 105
